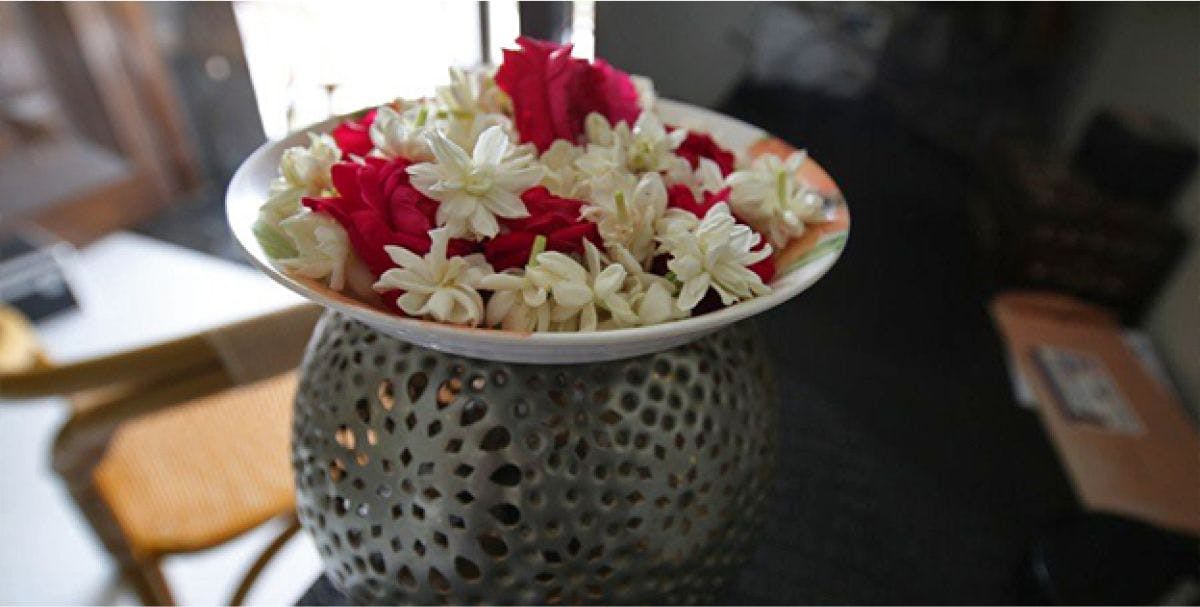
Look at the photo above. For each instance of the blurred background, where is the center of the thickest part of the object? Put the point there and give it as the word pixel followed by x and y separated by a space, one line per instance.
pixel 984 150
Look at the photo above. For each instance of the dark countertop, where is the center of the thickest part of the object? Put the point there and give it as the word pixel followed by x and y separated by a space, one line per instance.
pixel 907 472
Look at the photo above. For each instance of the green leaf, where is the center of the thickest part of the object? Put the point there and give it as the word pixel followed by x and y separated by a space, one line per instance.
pixel 276 244
pixel 834 243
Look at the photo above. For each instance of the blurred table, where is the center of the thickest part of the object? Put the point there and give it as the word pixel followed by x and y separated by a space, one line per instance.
pixel 133 290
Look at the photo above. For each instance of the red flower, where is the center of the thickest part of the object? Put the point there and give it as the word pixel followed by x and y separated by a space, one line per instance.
pixel 377 206
pixel 354 136
pixel 680 196
pixel 702 145
pixel 765 268
pixel 551 216
pixel 553 92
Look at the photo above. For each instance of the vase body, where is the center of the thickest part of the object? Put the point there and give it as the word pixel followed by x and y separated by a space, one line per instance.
pixel 429 478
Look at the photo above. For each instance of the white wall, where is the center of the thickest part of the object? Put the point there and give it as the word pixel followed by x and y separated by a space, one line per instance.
pixel 1148 58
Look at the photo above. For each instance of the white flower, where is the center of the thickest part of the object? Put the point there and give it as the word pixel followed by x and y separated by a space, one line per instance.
pixel 474 189
pixel 517 303
pixel 652 148
pixel 308 168
pixel 465 132
pixel 396 134
pixel 561 176
pixel 626 216
pixel 715 253
pixel 437 287
pixel 647 97
pixel 645 147
pixel 706 178
pixel 520 300
pixel 585 293
pixel 674 220
pixel 321 247
pixel 302 172
pixel 773 199
pixel 599 131
pixel 648 296
pixel 470 92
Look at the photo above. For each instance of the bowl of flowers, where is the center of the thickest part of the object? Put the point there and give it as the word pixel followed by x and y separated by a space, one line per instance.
pixel 531 385
pixel 551 210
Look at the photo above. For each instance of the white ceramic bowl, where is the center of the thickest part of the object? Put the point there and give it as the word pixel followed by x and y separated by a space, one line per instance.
pixel 248 190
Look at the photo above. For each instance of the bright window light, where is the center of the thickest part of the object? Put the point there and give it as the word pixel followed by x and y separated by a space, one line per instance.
pixel 504 25
pixel 310 59
pixel 583 29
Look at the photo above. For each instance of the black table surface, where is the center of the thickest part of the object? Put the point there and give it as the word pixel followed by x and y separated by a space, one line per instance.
pixel 907 474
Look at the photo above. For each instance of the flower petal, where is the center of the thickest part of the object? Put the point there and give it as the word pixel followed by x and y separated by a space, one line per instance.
pixel 490 147
pixel 692 292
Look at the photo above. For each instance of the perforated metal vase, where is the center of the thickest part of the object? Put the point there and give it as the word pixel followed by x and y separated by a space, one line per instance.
pixel 430 478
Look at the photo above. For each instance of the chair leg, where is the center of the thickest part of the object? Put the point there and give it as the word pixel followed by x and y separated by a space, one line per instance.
pixel 239 596
pixel 149 583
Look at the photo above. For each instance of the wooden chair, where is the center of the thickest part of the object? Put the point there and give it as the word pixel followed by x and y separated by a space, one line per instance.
pixel 175 447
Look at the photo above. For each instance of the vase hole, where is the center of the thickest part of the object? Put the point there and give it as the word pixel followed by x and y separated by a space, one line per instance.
pixel 649 416
pixel 655 391
pixel 377 563
pixel 337 470
pixel 438 581
pixel 507 475
pixel 478 383
pixel 505 514
pixel 635 375
pixel 492 545
pixel 363 408
pixel 595 553
pixel 473 411
pixel 497 438
pixel 466 569
pixel 629 402
pixel 416 386
pixel 610 417
pixel 500 378
pixel 386 395
pixel 448 391
pixel 344 436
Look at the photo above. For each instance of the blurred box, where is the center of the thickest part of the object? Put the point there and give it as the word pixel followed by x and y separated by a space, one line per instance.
pixel 33 273
pixel 1124 437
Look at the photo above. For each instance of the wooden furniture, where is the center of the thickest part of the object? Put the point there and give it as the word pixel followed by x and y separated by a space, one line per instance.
pixel 121 149
pixel 1042 227
pixel 179 446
